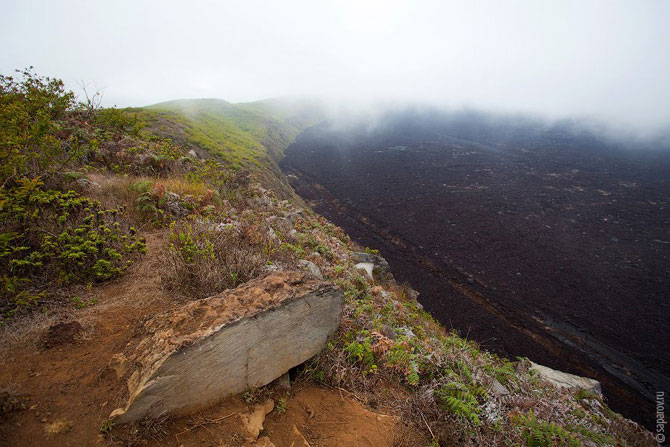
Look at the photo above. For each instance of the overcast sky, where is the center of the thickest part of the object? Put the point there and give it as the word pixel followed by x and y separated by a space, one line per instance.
pixel 605 59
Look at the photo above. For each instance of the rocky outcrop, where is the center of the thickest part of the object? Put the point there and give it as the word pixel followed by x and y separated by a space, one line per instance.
pixel 374 265
pixel 195 355
pixel 565 380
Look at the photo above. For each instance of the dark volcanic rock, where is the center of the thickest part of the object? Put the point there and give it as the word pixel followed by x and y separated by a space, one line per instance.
pixel 546 242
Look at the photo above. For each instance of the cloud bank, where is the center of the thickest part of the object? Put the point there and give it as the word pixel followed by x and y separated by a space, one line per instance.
pixel 598 59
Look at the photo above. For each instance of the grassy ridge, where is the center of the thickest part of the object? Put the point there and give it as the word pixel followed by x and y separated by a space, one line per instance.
pixel 245 135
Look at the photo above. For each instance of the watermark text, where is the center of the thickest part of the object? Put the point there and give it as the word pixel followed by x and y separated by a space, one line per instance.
pixel 660 417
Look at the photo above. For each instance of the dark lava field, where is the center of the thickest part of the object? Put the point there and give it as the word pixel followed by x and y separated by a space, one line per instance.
pixel 541 241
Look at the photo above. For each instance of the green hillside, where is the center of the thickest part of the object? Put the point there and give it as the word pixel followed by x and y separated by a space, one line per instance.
pixel 250 136
pixel 243 134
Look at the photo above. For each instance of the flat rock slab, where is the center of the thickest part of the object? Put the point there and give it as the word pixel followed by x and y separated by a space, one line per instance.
pixel 562 379
pixel 191 357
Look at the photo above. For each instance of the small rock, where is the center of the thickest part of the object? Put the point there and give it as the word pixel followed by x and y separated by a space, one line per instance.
pixel 280 223
pixel 283 382
pixel 411 293
pixel 172 203
pixel 381 267
pixel 310 267
pixel 387 331
pixel 367 266
pixel 562 379
pixel 294 215
pixel 272 268
pixel 226 226
pixel 118 363
pixel 499 389
pixel 86 183
pixel 252 422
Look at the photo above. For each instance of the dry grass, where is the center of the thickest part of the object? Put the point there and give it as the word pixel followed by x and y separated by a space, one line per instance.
pixel 26 329
pixel 180 185
pixel 202 259
pixel 10 400
pixel 118 187
pixel 115 191
pixel 137 433
pixel 58 427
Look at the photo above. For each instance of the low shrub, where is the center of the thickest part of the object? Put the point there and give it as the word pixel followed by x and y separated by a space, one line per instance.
pixel 204 257
pixel 11 401
pixel 51 238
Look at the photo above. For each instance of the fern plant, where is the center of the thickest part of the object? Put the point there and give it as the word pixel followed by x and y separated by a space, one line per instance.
pixel 538 433
pixel 456 398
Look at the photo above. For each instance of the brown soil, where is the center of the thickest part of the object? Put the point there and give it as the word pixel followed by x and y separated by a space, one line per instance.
pixel 321 416
pixel 73 385
pixel 328 418
pixel 61 334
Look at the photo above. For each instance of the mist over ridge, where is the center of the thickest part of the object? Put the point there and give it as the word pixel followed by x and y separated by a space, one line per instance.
pixel 371 115
pixel 593 60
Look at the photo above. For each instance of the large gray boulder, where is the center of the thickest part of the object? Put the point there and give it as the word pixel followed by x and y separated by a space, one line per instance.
pixel 562 379
pixel 190 358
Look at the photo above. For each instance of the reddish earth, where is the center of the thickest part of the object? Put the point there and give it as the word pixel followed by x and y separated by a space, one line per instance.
pixel 543 242
pixel 59 367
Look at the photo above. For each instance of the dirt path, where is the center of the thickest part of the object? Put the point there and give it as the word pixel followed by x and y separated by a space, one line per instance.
pixel 313 416
pixel 70 382
pixel 69 389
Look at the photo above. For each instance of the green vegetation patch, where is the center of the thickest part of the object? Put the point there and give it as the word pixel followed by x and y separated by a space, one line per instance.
pixel 51 238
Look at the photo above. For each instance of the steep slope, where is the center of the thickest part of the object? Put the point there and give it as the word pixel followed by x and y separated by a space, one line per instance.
pixel 124 225
pixel 509 229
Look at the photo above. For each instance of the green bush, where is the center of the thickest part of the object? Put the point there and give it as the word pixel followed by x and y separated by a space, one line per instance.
pixel 51 238
pixel 118 120
pixel 34 135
